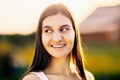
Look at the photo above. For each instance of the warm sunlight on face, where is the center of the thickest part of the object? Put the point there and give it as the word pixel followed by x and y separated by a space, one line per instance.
pixel 21 16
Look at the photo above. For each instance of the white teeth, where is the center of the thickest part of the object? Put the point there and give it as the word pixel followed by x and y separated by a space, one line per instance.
pixel 58 46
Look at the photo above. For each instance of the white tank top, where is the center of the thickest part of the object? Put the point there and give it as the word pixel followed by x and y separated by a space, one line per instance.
pixel 41 75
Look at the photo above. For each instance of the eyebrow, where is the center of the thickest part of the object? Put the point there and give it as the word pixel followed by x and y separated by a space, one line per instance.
pixel 46 27
pixel 65 25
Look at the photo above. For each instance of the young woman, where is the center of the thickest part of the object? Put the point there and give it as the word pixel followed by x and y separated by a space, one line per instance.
pixel 58 51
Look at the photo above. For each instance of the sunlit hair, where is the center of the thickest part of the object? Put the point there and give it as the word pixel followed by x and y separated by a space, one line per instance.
pixel 42 57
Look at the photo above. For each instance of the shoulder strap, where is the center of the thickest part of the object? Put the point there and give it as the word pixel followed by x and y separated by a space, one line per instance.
pixel 41 75
pixel 89 75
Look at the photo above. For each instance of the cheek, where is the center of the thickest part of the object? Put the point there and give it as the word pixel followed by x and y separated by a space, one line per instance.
pixel 70 38
pixel 45 40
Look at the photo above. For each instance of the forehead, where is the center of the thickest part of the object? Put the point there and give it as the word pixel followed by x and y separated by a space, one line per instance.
pixel 56 20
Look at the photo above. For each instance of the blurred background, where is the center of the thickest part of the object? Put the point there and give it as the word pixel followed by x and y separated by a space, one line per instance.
pixel 99 23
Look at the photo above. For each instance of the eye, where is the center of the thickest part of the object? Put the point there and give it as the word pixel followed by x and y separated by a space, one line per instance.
pixel 48 31
pixel 64 29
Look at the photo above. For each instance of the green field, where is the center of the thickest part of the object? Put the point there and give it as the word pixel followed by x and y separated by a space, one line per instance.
pixel 102 59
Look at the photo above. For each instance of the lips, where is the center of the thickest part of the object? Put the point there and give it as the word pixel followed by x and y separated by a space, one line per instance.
pixel 58 46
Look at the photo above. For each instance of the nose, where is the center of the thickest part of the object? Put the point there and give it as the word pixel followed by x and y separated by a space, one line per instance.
pixel 57 37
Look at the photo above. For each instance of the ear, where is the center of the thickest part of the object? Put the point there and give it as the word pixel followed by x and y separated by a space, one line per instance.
pixel 89 75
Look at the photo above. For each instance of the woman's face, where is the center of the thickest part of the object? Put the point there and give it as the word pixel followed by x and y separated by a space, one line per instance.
pixel 58 35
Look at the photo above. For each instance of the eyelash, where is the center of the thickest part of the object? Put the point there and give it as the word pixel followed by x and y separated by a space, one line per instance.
pixel 64 29
pixel 49 30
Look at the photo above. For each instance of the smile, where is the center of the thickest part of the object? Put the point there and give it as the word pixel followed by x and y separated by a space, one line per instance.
pixel 58 46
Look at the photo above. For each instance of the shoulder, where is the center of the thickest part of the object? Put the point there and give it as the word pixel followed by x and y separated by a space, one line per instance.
pixel 89 75
pixel 31 77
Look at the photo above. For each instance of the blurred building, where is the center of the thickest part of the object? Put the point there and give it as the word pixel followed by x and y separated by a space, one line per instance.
pixel 102 25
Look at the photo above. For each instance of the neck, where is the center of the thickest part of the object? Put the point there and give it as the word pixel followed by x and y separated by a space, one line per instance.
pixel 59 66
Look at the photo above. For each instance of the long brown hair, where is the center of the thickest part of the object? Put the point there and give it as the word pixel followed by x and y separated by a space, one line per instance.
pixel 42 57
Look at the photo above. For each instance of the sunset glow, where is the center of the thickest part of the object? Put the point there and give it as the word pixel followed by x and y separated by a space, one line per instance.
pixel 21 16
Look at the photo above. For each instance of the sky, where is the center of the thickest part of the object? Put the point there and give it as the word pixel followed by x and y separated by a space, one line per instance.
pixel 21 16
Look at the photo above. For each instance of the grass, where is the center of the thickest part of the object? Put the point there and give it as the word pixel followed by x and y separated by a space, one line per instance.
pixel 103 60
